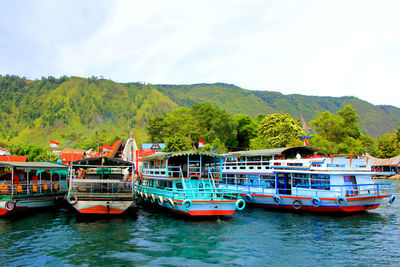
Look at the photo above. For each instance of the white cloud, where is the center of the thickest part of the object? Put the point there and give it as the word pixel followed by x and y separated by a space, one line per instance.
pixel 308 47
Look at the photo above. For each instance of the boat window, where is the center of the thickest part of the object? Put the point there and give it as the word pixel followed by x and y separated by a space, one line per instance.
pixel 252 179
pixel 230 179
pixel 240 179
pixel 320 181
pixel 160 184
pixel 179 185
pixel 301 180
pixel 267 181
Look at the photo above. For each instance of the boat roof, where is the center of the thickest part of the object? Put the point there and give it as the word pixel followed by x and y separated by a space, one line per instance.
pixel 101 161
pixel 166 155
pixel 278 151
pixel 34 165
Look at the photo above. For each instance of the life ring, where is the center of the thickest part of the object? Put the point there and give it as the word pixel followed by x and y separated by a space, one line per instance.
pixel 187 204
pixel 277 200
pixel 297 204
pixel 341 201
pixel 316 202
pixel 240 204
pixel 392 199
pixel 153 198
pixel 248 197
pixel 10 205
pixel 70 201
pixel 171 202
pixel 160 201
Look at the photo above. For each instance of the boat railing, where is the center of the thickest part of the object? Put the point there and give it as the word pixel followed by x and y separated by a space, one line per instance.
pixel 100 187
pixel 174 171
pixel 246 163
pixel 348 190
pixel 192 194
pixel 32 188
pixel 162 172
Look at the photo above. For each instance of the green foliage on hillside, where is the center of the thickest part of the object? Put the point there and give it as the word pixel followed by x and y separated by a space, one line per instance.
pixel 74 110
pixel 80 112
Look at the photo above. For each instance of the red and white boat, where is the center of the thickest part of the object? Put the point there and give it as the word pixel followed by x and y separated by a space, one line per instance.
pixel 101 185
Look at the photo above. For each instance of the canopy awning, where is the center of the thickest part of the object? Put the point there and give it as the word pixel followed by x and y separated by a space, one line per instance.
pixel 34 165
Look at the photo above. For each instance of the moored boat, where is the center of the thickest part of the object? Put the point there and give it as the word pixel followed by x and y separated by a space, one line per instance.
pixel 297 178
pixel 101 185
pixel 27 186
pixel 184 182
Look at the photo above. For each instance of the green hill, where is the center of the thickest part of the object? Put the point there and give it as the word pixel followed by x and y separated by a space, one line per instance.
pixel 73 110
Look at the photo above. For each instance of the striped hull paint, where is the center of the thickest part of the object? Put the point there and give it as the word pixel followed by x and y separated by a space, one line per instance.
pixel 102 207
pixel 353 204
pixel 199 208
pixel 27 204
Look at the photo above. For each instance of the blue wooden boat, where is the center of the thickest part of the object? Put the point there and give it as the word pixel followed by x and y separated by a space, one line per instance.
pixel 184 182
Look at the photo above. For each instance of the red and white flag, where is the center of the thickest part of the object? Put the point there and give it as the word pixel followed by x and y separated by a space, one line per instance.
pixel 53 143
pixel 306 141
pixel 201 143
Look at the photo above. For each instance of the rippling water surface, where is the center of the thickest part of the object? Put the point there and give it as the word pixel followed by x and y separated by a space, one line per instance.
pixel 251 237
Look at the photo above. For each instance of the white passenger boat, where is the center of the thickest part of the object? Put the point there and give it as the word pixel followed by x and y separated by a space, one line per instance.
pixel 295 178
pixel 101 185
pixel 27 186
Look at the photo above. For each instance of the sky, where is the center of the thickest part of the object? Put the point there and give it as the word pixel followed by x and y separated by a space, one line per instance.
pixel 322 47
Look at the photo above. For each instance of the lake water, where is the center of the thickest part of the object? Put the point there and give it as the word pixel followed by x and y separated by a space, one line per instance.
pixel 251 237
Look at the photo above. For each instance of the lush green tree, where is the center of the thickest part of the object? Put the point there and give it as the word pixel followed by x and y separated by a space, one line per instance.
pixel 214 123
pixel 386 144
pixel 178 142
pixel 247 129
pixel 351 120
pixel 33 153
pixel 277 130
pixel 340 134
pixel 329 126
pixel 397 136
pixel 182 128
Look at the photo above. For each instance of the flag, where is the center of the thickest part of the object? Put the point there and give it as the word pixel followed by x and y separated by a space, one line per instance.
pixel 306 141
pixel 201 143
pixel 53 143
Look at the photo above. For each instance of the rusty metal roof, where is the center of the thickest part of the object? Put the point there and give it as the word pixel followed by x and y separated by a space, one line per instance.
pixel 395 161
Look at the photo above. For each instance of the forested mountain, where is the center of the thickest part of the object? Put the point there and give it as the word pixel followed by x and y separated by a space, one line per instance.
pixel 74 110
pixel 375 120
